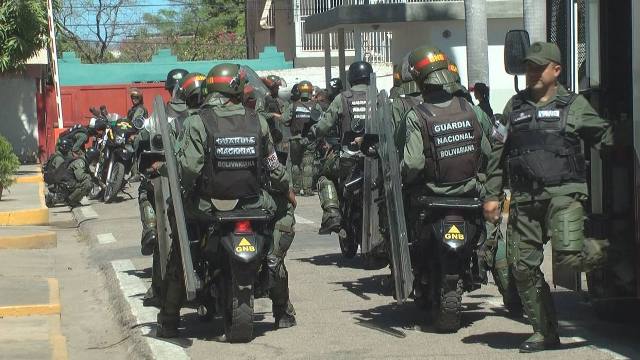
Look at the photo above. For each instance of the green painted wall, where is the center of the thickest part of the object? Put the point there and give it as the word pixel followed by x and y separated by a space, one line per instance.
pixel 73 72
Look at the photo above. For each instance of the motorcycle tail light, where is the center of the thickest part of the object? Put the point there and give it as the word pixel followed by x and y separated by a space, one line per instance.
pixel 243 227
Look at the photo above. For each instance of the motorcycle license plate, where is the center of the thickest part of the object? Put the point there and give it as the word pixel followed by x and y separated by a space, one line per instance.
pixel 244 243
pixel 454 231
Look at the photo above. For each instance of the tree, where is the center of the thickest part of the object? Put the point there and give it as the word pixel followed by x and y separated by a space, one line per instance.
pixel 92 27
pixel 200 30
pixel 23 31
pixel 475 17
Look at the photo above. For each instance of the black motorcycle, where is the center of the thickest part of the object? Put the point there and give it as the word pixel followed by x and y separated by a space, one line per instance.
pixel 231 259
pixel 116 159
pixel 351 181
pixel 443 245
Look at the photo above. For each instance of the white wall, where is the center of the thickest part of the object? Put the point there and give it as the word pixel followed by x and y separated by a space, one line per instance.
pixel 408 36
pixel 18 118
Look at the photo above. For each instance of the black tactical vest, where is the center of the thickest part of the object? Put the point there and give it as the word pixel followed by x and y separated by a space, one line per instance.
pixel 233 164
pixel 451 138
pixel 354 112
pixel 272 105
pixel 538 148
pixel 301 117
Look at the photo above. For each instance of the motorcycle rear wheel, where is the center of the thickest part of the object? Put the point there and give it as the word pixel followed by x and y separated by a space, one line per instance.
pixel 238 311
pixel 115 183
pixel 447 311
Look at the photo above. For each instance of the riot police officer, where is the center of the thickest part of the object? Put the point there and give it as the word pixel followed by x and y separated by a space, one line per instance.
pixel 137 110
pixel 539 146
pixel 223 101
pixel 79 176
pixel 299 119
pixel 408 96
pixel 347 113
pixel 274 106
pixel 176 107
pixel 78 135
pixel 187 92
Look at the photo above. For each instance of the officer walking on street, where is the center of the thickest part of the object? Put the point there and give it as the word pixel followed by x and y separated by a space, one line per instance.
pixel 299 118
pixel 539 147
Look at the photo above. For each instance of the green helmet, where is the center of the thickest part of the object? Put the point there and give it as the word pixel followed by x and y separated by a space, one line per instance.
pixel 306 89
pixel 191 87
pixel 455 86
pixel 228 79
pixel 429 65
pixel 272 81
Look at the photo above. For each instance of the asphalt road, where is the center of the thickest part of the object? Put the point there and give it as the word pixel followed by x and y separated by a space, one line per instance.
pixel 343 311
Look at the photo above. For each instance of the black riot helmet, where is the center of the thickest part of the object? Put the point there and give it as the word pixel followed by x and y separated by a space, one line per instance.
pixel 335 87
pixel 360 73
pixel 92 155
pixel 173 78
pixel 295 93
pixel 64 145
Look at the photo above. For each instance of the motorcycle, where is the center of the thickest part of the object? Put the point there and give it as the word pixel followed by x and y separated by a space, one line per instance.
pixel 351 179
pixel 116 159
pixel 231 259
pixel 443 248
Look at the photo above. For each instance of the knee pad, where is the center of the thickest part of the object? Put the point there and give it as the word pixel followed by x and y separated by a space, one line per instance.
pixel 567 229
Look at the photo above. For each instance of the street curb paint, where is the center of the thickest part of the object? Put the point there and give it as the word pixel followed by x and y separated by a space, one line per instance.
pixel 42 240
pixel 31 179
pixel 39 216
pixel 53 308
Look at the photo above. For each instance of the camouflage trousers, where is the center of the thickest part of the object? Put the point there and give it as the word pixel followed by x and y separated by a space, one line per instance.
pixel 561 220
pixel 302 155
pixel 79 190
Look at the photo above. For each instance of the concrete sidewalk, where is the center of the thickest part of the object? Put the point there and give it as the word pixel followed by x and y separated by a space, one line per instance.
pixel 23 203
pixel 29 291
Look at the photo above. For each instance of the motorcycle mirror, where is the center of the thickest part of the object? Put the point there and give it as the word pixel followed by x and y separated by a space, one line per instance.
pixel 516 43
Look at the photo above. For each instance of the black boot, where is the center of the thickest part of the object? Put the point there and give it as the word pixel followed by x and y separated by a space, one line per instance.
pixel 148 242
pixel 150 298
pixel 330 224
pixel 285 316
pixel 167 326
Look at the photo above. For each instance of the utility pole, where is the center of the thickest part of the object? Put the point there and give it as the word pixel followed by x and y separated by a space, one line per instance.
pixel 475 17
pixel 535 19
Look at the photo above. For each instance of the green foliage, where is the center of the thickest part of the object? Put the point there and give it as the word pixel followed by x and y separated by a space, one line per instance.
pixel 9 163
pixel 203 30
pixel 23 31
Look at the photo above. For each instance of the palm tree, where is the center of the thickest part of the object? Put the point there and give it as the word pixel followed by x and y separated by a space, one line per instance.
pixel 535 19
pixel 475 12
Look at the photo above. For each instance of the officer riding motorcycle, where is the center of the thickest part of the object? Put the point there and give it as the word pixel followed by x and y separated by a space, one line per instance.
pixel 345 119
pixel 228 170
pixel 444 159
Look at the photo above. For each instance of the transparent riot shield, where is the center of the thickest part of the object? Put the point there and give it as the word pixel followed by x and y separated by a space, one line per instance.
pixel 170 196
pixel 394 222
pixel 371 236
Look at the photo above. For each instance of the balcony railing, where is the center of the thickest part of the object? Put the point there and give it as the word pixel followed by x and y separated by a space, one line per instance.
pixel 376 46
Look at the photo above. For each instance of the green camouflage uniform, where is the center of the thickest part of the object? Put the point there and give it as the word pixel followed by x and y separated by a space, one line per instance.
pixel 191 158
pixel 331 170
pixel 83 184
pixel 549 212
pixel 301 163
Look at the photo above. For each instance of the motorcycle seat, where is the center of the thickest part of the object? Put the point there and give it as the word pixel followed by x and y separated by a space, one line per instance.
pixel 435 202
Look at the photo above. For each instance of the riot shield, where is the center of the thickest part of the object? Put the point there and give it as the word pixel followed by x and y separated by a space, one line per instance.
pixel 395 223
pixel 371 236
pixel 170 191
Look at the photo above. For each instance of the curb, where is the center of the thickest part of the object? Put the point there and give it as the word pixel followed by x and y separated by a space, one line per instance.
pixel 39 216
pixel 42 240
pixel 29 179
pixel 52 308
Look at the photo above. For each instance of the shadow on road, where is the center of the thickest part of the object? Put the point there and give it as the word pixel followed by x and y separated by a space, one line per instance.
pixel 377 284
pixel 337 260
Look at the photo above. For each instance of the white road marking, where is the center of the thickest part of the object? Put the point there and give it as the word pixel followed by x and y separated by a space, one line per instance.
pixel 301 220
pixel 88 212
pixel 107 238
pixel 614 354
pixel 131 286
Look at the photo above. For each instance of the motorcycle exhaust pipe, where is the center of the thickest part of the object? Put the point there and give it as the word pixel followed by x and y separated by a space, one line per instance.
pixel 354 184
